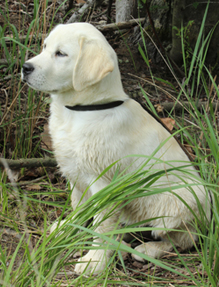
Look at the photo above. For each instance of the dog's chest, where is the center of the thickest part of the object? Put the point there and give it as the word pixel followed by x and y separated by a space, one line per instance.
pixel 81 143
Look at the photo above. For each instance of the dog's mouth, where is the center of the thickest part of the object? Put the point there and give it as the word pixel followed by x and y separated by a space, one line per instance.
pixel 25 80
pixel 38 89
pixel 37 83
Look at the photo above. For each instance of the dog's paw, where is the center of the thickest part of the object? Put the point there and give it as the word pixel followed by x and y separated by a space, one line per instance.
pixel 152 249
pixel 94 262
pixel 157 234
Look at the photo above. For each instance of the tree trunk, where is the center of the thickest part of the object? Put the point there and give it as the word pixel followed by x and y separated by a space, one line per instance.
pixel 177 23
pixel 126 9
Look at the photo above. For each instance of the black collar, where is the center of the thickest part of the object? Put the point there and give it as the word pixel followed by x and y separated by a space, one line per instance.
pixel 95 107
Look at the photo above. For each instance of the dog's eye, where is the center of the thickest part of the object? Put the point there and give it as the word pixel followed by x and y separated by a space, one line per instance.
pixel 60 54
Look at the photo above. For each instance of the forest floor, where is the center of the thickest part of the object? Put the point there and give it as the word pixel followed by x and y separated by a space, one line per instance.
pixel 134 72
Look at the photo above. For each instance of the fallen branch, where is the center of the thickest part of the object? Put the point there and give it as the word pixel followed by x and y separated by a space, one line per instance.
pixel 29 163
pixel 120 25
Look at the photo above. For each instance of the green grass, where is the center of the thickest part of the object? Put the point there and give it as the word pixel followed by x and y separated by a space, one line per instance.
pixel 38 258
pixel 51 254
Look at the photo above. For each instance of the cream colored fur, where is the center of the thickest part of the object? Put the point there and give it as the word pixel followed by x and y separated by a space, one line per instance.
pixel 85 71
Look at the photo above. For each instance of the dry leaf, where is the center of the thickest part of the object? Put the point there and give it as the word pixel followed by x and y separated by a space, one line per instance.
pixel 137 264
pixel 168 122
pixel 33 187
pixel 30 173
pixel 158 108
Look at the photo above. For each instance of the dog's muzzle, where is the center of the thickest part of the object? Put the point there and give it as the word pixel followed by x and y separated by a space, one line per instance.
pixel 27 69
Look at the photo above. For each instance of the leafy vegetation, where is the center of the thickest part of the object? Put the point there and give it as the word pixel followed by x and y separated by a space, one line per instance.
pixel 37 258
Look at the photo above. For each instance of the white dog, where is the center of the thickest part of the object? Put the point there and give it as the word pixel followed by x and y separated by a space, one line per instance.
pixel 93 123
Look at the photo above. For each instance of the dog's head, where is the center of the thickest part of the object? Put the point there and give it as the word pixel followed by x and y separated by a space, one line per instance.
pixel 74 56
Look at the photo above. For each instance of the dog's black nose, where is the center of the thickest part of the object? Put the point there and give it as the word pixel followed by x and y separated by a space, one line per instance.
pixel 27 68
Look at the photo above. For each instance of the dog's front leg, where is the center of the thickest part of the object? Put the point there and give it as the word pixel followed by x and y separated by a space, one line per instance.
pixel 97 259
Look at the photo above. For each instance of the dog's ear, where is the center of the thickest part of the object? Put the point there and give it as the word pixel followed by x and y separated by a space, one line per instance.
pixel 93 63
